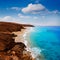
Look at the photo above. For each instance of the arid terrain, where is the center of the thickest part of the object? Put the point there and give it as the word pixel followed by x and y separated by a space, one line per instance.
pixel 9 49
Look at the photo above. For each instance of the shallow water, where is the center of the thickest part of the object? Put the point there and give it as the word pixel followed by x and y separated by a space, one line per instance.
pixel 48 40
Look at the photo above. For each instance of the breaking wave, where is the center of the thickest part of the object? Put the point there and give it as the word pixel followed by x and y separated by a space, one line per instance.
pixel 35 51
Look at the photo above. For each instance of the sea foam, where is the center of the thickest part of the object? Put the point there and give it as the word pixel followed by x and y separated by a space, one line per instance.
pixel 35 51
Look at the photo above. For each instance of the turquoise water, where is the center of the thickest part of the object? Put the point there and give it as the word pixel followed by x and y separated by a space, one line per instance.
pixel 48 39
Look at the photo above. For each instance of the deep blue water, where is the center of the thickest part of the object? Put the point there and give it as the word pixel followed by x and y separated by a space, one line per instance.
pixel 47 38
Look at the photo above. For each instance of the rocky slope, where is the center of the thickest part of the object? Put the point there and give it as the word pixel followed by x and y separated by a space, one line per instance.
pixel 10 27
pixel 9 49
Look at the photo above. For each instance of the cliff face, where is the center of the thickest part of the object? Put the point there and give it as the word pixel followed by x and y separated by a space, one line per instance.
pixel 11 27
pixel 8 46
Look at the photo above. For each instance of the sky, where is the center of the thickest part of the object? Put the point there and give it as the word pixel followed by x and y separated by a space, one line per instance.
pixel 36 12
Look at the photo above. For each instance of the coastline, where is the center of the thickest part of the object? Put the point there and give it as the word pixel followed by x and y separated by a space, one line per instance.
pixel 23 36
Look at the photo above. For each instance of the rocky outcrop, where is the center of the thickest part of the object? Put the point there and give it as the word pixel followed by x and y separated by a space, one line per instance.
pixel 11 27
pixel 9 49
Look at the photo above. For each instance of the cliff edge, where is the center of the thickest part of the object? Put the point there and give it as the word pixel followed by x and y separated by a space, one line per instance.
pixel 9 49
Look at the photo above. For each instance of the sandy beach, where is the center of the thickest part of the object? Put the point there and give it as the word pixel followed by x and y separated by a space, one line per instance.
pixel 22 36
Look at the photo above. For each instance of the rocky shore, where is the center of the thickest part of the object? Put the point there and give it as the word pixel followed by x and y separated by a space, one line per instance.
pixel 9 49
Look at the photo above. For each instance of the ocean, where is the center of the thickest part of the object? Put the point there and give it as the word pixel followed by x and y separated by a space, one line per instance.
pixel 46 41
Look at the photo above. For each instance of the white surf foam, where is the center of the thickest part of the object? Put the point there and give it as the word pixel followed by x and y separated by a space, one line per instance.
pixel 22 37
pixel 35 51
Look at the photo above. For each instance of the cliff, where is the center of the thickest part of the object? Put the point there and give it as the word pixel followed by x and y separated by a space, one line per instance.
pixel 9 49
pixel 11 27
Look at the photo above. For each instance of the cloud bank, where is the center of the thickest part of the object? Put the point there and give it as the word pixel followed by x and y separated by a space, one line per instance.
pixel 35 14
pixel 34 20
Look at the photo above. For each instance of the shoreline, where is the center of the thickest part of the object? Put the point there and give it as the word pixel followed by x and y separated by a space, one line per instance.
pixel 23 36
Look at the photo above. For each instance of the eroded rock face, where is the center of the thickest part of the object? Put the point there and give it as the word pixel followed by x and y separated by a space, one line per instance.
pixel 5 40
pixel 9 49
pixel 11 27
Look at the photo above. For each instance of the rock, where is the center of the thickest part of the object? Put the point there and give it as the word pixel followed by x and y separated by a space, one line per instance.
pixel 8 44
pixel 11 27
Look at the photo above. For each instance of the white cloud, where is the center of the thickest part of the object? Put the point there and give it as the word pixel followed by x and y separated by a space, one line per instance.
pixel 55 12
pixel 23 16
pixel 38 9
pixel 7 18
pixel 34 20
pixel 33 8
pixel 28 18
pixel 15 8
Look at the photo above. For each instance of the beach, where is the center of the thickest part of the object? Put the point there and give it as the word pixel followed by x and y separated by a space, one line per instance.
pixel 24 37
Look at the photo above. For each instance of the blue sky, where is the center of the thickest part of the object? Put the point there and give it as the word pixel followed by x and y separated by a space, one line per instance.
pixel 37 12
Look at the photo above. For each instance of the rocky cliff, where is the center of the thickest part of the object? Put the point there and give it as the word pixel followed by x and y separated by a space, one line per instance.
pixel 9 49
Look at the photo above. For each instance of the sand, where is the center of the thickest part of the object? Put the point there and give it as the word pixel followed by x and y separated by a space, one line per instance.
pixel 22 36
